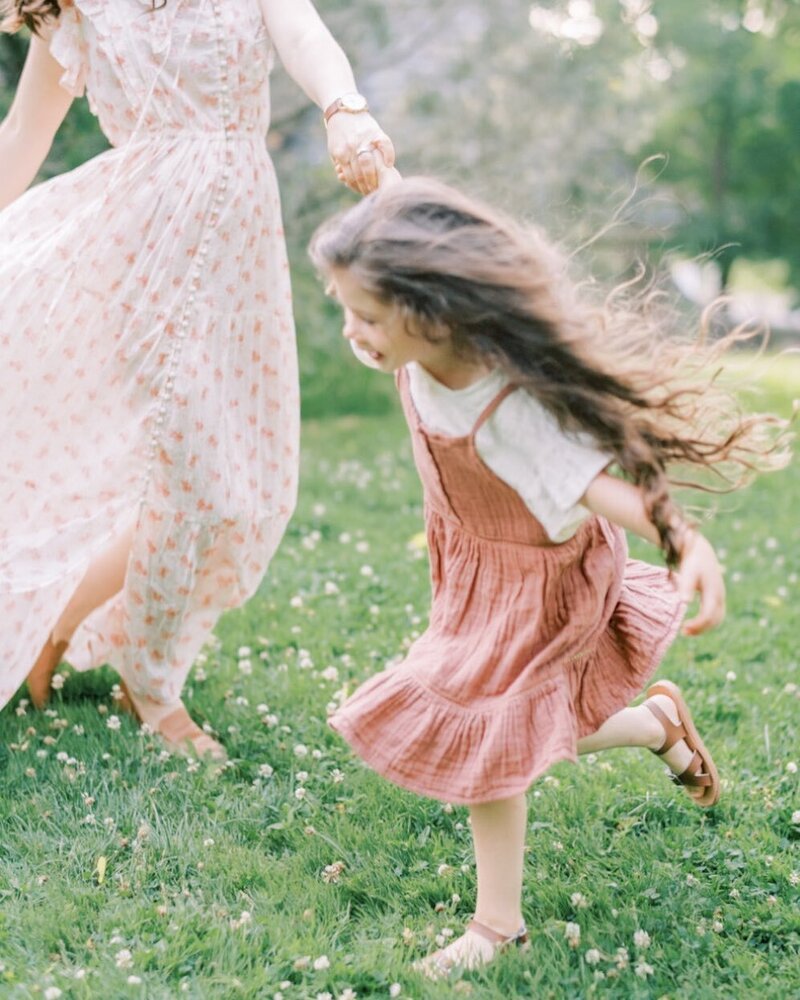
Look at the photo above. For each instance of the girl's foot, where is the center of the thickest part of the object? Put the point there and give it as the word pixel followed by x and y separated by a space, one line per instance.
pixel 174 725
pixel 41 674
pixel 477 946
pixel 678 742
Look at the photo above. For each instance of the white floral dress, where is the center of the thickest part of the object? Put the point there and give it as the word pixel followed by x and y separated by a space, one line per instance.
pixel 148 371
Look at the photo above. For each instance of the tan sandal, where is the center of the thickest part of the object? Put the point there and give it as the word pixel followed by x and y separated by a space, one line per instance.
pixel 40 677
pixel 701 772
pixel 438 966
pixel 178 730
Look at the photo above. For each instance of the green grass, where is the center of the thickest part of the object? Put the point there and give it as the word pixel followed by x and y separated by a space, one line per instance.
pixel 212 885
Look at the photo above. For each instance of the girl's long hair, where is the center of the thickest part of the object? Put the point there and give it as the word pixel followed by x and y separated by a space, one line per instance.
pixel 36 14
pixel 457 268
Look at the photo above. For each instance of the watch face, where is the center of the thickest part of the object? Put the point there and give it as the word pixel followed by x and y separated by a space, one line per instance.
pixel 354 102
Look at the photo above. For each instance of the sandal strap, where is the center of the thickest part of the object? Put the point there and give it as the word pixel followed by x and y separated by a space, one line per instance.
pixel 694 775
pixel 495 938
pixel 674 731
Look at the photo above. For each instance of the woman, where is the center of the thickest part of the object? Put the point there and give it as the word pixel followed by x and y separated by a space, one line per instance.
pixel 148 390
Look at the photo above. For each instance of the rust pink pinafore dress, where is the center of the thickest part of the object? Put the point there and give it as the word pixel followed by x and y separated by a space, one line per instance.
pixel 531 645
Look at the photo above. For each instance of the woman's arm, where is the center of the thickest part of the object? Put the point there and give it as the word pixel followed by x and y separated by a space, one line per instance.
pixel 699 572
pixel 316 62
pixel 26 135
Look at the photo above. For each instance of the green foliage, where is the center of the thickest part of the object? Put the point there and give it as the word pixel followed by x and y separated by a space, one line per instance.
pixel 218 885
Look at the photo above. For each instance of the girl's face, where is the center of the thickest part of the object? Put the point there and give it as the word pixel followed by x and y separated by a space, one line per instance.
pixel 378 335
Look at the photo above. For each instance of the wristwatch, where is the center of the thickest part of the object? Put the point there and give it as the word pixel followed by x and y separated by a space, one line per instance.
pixel 353 104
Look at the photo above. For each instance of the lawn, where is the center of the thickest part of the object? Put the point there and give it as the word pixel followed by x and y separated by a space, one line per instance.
pixel 297 873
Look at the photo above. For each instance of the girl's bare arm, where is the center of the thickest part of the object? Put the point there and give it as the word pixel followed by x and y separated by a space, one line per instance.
pixel 699 573
pixel 26 134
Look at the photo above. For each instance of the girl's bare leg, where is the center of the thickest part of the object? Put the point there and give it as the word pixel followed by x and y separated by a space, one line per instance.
pixel 498 829
pixel 638 727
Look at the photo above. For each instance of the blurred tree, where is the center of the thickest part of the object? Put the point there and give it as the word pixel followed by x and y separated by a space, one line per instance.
pixel 730 124
pixel 548 107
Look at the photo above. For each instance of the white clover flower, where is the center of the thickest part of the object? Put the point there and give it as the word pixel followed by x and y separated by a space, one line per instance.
pixel 330 674
pixel 345 538
pixel 52 993
pixel 444 869
pixel 56 684
pixel 362 547
pixel 643 970
pixel 266 771
pixel 367 571
pixel 348 994
pixel 641 939
pixel 124 959
pixel 337 776
pixel 331 588
pixel 324 996
pixel 113 722
pixel 395 990
pixel 572 932
pixel 300 794
pixel 796 816
pixel 731 675
pixel 208 842
pixel 579 901
pixel 592 956
pixel 302 776
pixel 243 652
pixel 791 767
pixel 296 601
pixel 301 750
pixel 322 963
pixel 245 667
pixel 134 980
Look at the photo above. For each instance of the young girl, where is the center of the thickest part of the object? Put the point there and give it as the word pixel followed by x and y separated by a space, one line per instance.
pixel 148 385
pixel 542 630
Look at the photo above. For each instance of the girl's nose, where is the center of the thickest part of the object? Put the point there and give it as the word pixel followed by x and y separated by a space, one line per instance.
pixel 350 329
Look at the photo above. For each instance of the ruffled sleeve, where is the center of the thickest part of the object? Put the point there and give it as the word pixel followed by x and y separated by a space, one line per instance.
pixel 68 48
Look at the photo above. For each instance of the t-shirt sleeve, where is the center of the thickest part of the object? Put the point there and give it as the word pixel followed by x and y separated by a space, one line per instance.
pixel 550 468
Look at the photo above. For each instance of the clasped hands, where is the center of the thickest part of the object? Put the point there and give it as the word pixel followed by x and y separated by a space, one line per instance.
pixel 362 153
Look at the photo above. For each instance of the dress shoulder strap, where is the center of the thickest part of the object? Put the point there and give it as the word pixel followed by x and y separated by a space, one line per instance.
pixel 493 404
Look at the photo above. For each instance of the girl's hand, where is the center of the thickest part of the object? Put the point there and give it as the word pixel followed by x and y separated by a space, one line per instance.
pixel 360 150
pixel 700 573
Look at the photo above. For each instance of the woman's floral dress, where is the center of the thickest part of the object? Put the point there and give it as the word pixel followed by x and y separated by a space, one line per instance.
pixel 148 372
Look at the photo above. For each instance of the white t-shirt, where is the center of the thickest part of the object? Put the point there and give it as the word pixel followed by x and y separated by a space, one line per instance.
pixel 521 443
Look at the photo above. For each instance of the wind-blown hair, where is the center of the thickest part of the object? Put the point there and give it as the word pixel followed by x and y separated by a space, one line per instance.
pixel 37 14
pixel 455 267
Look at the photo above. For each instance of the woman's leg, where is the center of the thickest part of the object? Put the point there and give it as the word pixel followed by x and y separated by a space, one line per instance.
pixel 498 829
pixel 104 578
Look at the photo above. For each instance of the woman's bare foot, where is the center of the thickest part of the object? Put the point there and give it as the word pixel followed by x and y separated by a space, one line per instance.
pixel 40 677
pixel 173 724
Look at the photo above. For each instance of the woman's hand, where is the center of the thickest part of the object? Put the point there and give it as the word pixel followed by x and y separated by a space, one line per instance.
pixel 361 151
pixel 700 573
